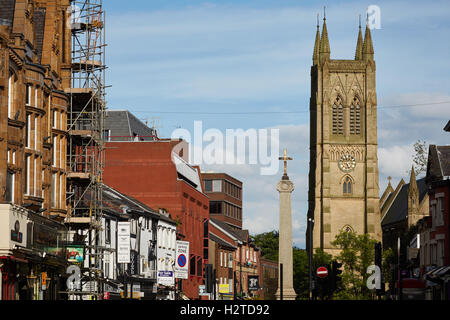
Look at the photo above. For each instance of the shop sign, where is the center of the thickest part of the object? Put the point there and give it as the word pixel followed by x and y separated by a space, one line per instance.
pixel 165 278
pixel 224 288
pixel 16 235
pixel 75 254
pixel 124 244
pixel 44 280
pixel 253 283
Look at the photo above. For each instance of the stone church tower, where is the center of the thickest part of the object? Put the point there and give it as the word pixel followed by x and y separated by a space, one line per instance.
pixel 343 177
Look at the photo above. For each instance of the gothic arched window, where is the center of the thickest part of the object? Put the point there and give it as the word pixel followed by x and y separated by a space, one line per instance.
pixel 355 117
pixel 348 229
pixel 347 186
pixel 338 116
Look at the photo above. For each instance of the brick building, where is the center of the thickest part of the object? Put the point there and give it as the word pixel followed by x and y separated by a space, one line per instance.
pixel 225 194
pixel 34 72
pixel 435 228
pixel 222 248
pixel 153 173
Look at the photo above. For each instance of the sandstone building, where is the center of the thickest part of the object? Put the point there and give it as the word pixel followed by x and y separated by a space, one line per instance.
pixel 343 178
pixel 34 61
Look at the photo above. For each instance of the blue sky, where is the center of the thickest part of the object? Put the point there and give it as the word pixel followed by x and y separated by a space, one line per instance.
pixel 167 57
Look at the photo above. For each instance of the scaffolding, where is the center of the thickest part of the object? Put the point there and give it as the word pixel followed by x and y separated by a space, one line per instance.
pixel 85 154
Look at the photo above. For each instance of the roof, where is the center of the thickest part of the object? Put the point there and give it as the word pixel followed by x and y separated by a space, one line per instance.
pixel 438 167
pixel 241 235
pixel 124 126
pixel 114 202
pixel 221 241
pixel 398 210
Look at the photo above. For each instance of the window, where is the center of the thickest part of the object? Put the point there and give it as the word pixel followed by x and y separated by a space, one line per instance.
pixel 347 186
pixel 28 130
pixel 9 195
pixel 28 95
pixel 106 135
pixel 11 96
pixel 208 186
pixel 54 150
pixel 106 269
pixel 108 231
pixel 55 119
pixel 62 186
pixel 61 153
pixel 215 207
pixel 338 117
pixel 36 132
pixel 192 265
pixel 355 117
pixel 27 174
pixel 221 259
pixel 54 184
pixel 440 211
pixel 217 186
pixel 35 186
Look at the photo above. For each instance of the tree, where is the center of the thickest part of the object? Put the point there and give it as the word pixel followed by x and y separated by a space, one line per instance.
pixel 420 158
pixel 357 254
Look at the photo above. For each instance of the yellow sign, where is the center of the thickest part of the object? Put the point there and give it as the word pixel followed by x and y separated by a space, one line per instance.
pixel 44 279
pixel 224 288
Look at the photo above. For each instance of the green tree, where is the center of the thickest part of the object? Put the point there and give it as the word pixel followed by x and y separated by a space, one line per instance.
pixel 356 255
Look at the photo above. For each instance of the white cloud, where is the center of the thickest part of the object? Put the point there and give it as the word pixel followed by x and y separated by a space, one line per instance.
pixel 395 161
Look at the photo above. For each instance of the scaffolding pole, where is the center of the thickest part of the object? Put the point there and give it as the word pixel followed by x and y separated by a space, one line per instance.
pixel 85 125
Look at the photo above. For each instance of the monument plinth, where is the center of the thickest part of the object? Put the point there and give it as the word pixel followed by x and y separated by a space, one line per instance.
pixel 285 187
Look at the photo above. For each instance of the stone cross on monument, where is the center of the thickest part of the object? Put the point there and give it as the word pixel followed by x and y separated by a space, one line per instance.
pixel 285 283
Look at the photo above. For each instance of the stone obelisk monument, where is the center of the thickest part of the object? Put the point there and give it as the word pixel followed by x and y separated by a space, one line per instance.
pixel 285 188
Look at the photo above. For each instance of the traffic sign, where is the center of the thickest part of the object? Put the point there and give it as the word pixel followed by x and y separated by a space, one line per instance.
pixel 322 272
pixel 182 254
pixel 181 260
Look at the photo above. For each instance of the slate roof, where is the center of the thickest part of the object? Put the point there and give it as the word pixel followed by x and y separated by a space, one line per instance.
pixel 124 126
pixel 398 210
pixel 438 167
pixel 241 235
pixel 114 201
pixel 220 241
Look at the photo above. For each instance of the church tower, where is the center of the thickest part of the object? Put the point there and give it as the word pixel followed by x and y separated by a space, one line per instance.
pixel 343 177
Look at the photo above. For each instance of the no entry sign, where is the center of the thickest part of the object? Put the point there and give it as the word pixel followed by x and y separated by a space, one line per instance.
pixel 322 272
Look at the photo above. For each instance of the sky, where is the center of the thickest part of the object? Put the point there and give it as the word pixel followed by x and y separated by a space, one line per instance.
pixel 246 64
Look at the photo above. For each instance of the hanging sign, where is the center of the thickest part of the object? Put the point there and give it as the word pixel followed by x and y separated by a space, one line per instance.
pixel 123 243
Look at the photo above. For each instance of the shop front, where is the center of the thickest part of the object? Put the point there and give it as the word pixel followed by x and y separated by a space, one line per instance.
pixel 32 255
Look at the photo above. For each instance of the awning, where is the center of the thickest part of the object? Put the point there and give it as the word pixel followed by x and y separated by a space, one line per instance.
pixel 12 258
pixel 444 271
pixel 436 275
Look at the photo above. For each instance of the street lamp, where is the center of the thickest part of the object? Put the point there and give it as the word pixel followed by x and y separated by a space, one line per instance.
pixel 31 279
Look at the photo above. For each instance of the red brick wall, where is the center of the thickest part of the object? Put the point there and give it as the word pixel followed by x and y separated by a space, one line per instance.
pixel 145 171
